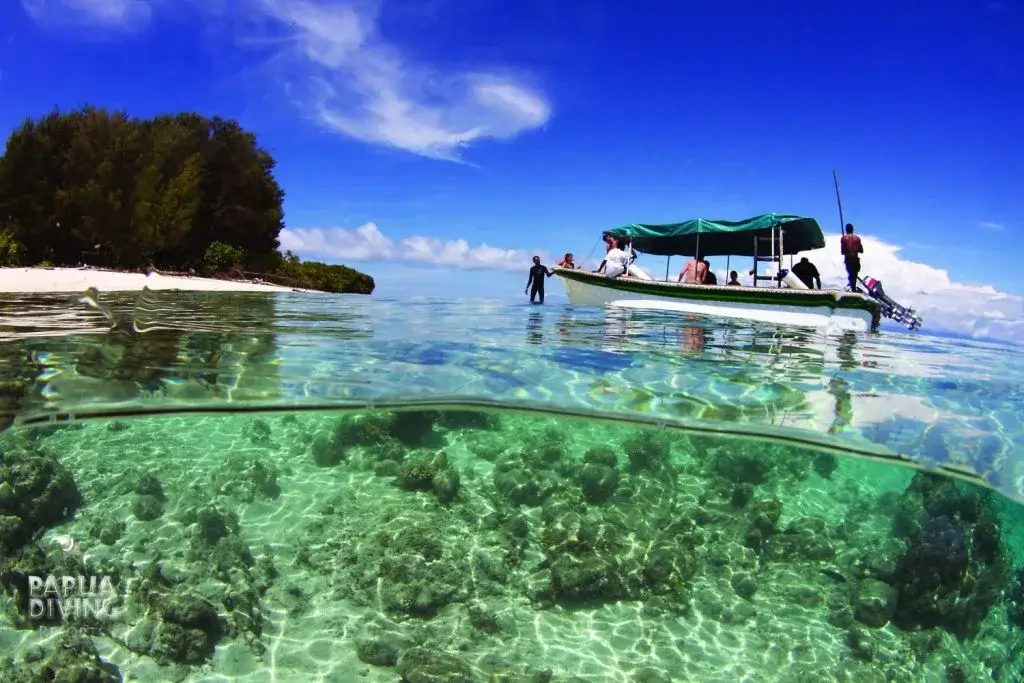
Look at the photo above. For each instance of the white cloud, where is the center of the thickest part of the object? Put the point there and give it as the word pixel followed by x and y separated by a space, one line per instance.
pixel 368 243
pixel 338 67
pixel 989 225
pixel 352 80
pixel 972 310
pixel 128 15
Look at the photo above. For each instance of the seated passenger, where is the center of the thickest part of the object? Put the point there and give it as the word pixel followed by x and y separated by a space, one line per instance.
pixel 734 279
pixel 709 278
pixel 617 261
pixel 567 262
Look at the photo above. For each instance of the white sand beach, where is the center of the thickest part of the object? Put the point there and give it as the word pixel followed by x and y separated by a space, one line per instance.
pixel 77 280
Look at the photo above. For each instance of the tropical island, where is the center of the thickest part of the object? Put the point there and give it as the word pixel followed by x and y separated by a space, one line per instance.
pixel 180 193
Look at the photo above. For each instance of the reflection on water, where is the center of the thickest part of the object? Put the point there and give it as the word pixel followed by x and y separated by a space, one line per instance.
pixel 693 337
pixel 455 545
pixel 837 386
pixel 875 390
pixel 534 328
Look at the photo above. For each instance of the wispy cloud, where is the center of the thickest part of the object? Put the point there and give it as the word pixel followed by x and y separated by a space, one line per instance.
pixel 126 15
pixel 352 80
pixel 989 225
pixel 368 243
pixel 344 74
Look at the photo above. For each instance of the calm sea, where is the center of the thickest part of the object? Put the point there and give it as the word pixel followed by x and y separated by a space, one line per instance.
pixel 286 487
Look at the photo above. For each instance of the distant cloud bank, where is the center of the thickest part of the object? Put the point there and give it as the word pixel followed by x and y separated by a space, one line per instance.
pixel 368 243
pixel 972 310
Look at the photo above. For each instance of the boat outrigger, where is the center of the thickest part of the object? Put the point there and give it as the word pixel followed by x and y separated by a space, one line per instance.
pixel 765 238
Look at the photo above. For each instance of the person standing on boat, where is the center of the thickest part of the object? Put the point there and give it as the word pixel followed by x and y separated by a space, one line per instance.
pixel 808 273
pixel 694 272
pixel 851 248
pixel 535 283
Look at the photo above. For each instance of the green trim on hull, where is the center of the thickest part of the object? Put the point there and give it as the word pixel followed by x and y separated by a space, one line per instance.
pixel 739 295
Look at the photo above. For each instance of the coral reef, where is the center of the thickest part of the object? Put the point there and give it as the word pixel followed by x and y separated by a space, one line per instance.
pixel 435 546
pixel 36 493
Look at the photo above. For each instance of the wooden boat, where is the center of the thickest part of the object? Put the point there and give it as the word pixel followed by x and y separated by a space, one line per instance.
pixel 765 238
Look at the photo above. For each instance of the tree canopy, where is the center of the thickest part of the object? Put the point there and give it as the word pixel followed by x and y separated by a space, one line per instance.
pixel 181 192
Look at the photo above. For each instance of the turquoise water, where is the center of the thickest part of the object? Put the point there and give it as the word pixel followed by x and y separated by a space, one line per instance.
pixel 346 488
pixel 936 401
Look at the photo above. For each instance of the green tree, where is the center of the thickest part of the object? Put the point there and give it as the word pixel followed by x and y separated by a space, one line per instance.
pixel 122 192
pixel 221 258
pixel 11 251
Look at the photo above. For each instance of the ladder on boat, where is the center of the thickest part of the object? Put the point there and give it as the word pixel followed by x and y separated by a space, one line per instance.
pixel 768 249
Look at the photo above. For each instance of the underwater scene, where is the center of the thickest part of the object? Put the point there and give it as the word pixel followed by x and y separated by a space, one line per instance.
pixel 276 488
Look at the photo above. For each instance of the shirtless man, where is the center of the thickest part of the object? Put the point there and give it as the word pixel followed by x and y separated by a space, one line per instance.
pixel 851 248
pixel 693 272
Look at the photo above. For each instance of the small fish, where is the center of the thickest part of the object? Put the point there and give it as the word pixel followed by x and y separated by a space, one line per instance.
pixel 833 574
pixel 67 544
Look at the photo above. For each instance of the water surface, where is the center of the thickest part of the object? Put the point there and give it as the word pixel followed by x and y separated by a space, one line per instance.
pixel 295 488
pixel 935 401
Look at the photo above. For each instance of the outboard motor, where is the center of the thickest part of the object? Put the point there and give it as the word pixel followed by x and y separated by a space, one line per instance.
pixel 890 309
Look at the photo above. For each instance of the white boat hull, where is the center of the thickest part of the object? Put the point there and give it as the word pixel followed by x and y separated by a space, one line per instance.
pixel 837 311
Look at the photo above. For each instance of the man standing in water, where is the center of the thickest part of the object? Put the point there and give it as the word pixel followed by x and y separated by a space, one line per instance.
pixel 535 283
pixel 851 248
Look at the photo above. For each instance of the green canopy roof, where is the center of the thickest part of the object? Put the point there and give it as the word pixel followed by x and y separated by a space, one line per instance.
pixel 721 238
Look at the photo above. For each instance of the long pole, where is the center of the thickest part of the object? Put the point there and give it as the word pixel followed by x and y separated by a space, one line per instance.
pixel 839 201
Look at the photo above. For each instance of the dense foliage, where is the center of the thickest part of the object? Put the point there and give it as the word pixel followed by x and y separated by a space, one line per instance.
pixel 177 192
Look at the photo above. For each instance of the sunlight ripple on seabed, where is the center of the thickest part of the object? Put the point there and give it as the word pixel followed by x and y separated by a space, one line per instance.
pixel 509 542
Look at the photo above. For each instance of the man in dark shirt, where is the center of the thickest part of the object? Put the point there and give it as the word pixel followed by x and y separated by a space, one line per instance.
pixel 851 249
pixel 709 275
pixel 807 273
pixel 535 283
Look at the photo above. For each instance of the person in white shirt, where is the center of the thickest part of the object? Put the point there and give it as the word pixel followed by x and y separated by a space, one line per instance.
pixel 616 261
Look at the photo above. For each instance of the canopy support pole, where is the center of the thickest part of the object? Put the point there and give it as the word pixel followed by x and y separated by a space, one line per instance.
pixel 668 260
pixel 727 271
pixel 782 250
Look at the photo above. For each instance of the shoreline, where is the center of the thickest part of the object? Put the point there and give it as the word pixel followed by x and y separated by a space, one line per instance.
pixel 77 280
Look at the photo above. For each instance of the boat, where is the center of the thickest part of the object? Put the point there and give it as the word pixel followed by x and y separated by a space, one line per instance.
pixel 766 239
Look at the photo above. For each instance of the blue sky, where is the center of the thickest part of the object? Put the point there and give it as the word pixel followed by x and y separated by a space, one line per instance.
pixel 533 125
